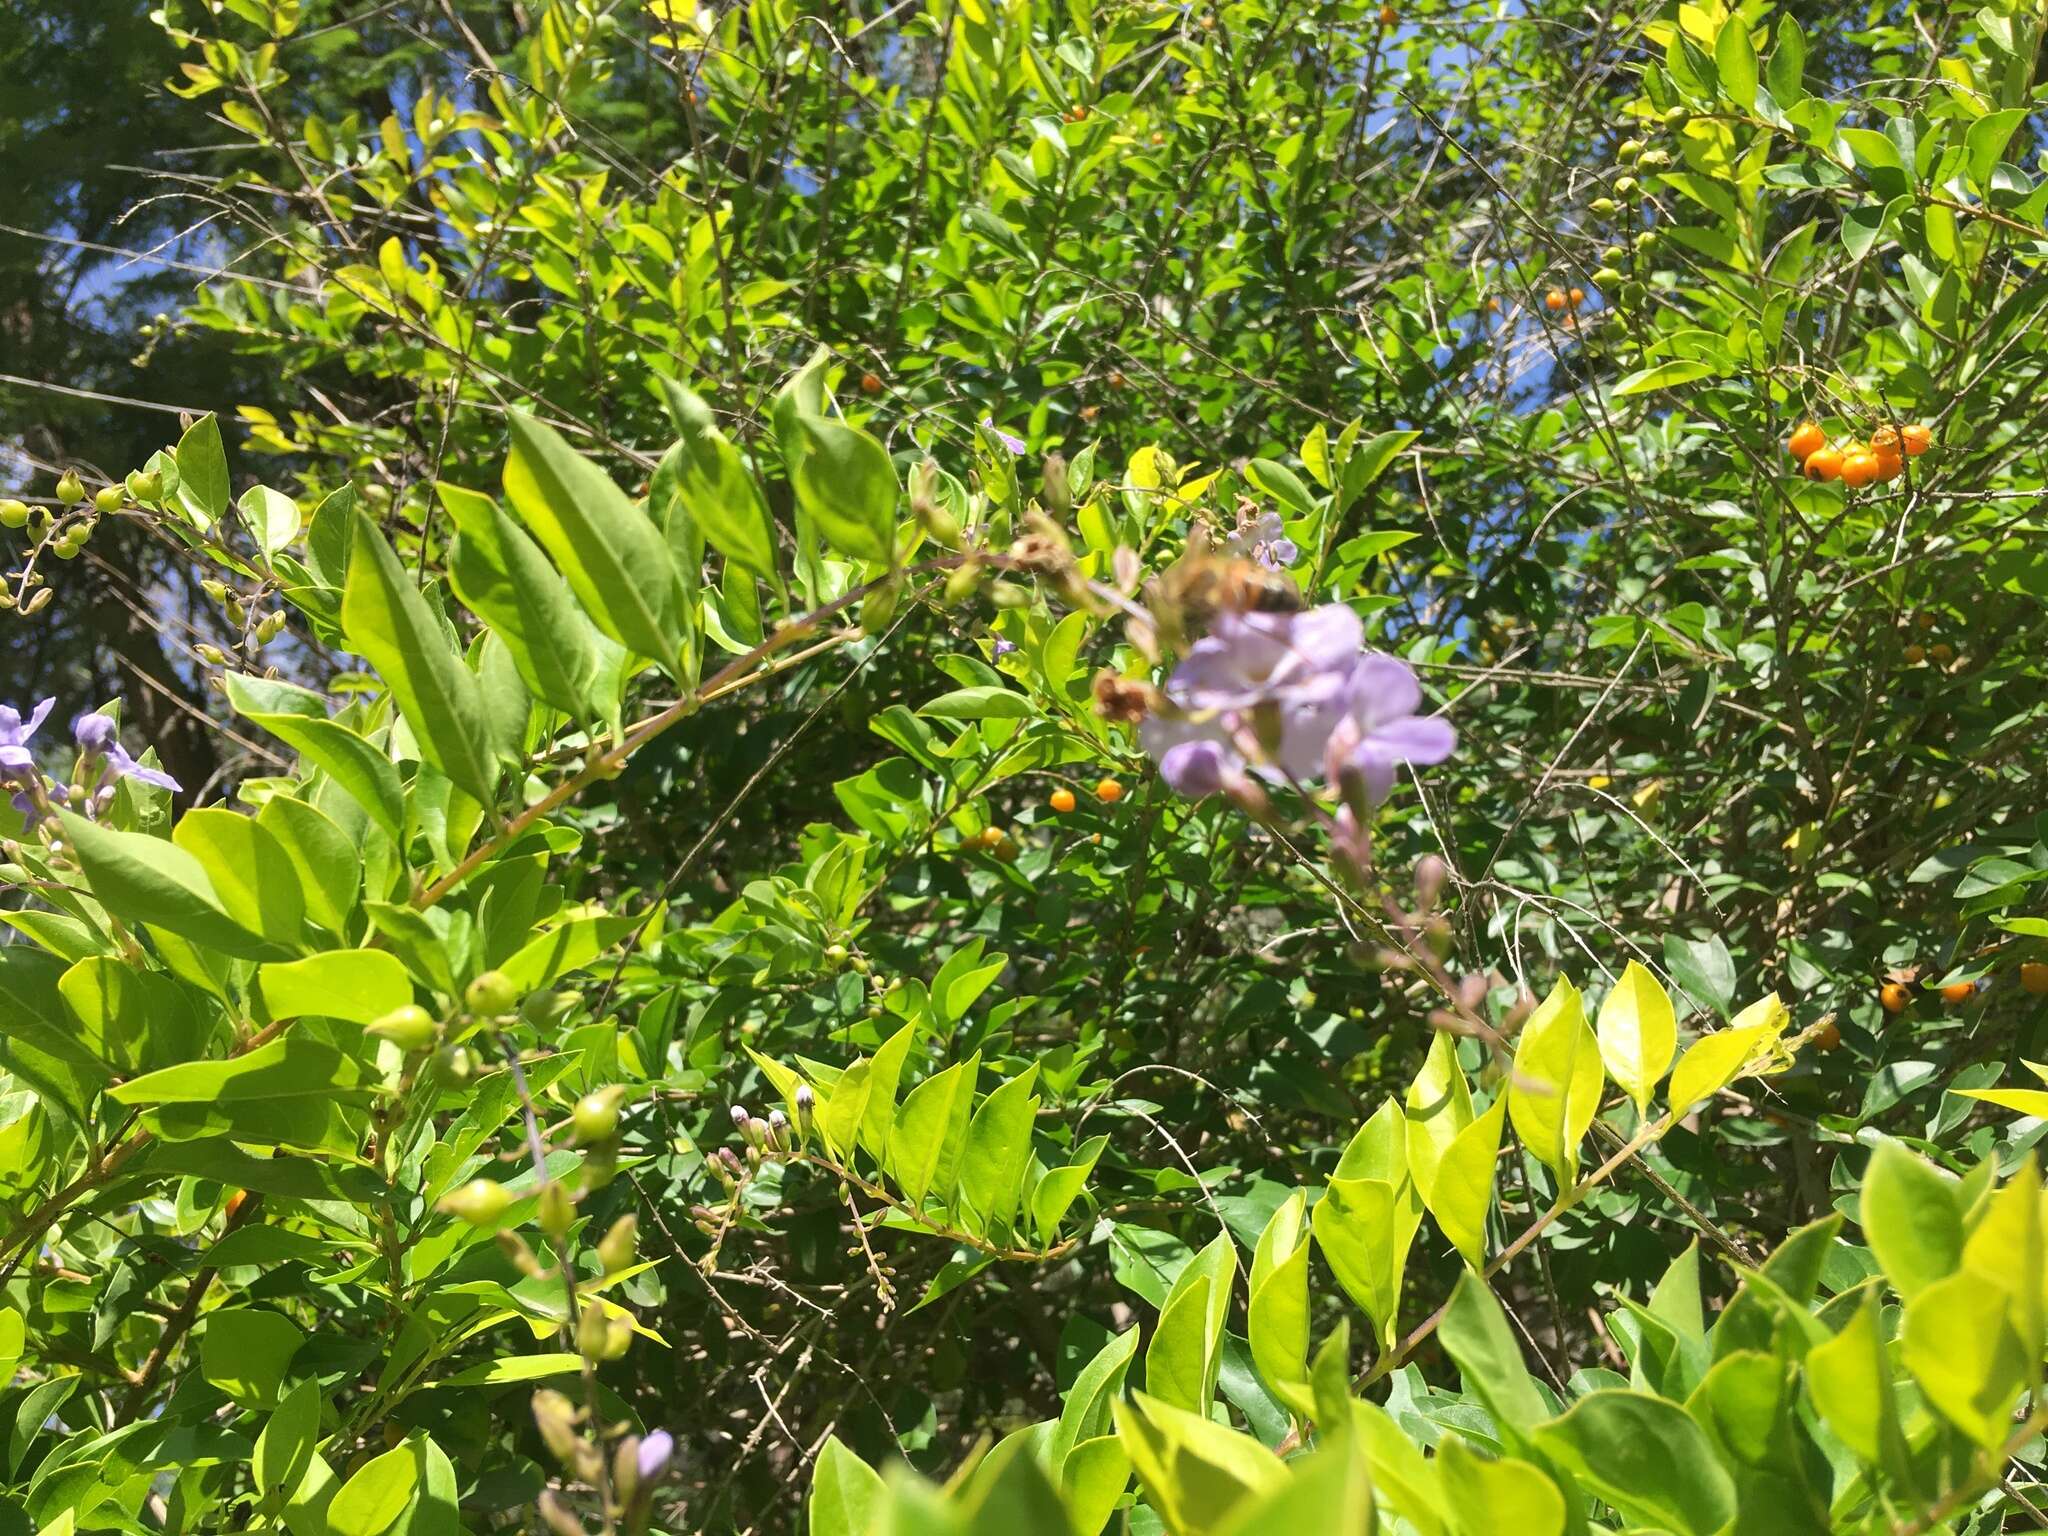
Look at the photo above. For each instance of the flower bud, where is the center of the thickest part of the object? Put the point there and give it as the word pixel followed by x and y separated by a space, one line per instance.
pixel 626 1469
pixel 557 1208
pixel 1055 489
pixel 740 1118
pixel 1430 873
pixel 616 1248
pixel 270 628
pixel 593 1333
pixel 513 1246
pixel 491 995
pixel 556 1514
pixel 212 655
pixel 656 1452
pixel 963 582
pixel 555 1416
pixel 214 589
pixel 879 606
pixel 13 514
pixel 38 603
pixel 596 1116
pixel 70 488
pixel 479 1202
pixel 410 1028
pixel 600 1165
pixel 778 1129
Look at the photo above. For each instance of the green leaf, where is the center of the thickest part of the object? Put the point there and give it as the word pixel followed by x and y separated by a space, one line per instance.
pixel 245 1351
pixel 1282 484
pixel 1986 140
pixel 1060 1187
pixel 1194 1471
pixel 1787 70
pixel 983 702
pixel 1475 1334
pixel 1682 370
pixel 1277 1323
pixel 615 558
pixel 844 479
pixel 389 623
pixel 567 947
pixel 844 1108
pixel 252 877
pixel 359 985
pixel 291 1066
pixel 371 1501
pixel 285 1448
pixel 1328 1492
pixel 515 1368
pixel 1638 1034
pixel 1092 1479
pixel 1912 1217
pixel 846 1493
pixel 1557 1080
pixel 271 517
pixel 1735 60
pixel 1367 463
pixel 1703 970
pixel 299 718
pixel 1439 1107
pixel 1715 1060
pixel 1461 1197
pixel 203 489
pixel 716 489
pixel 1849 1382
pixel 924 1145
pixel 1186 1351
pixel 1086 1413
pixel 1365 1228
pixel 148 880
pixel 501 576
pixel 1960 1344
pixel 329 868
pixel 997 1150
pixel 1646 1457
pixel 1491 1498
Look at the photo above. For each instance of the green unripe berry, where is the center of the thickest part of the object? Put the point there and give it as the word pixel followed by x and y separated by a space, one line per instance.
pixel 557 1212
pixel 491 995
pixel 68 547
pixel 70 488
pixel 962 583
pixel 1626 186
pixel 1603 206
pixel 1675 116
pixel 212 655
pixel 410 1028
pixel 13 514
pixel 1655 160
pixel 596 1116
pixel 615 1251
pixel 109 498
pixel 1607 277
pixel 1648 240
pixel 1630 148
pixel 1633 294
pixel 479 1202
pixel 1614 253
pixel 146 487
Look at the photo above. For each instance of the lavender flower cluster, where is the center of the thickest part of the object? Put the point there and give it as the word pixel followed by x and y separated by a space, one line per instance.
pixel 1291 697
pixel 102 763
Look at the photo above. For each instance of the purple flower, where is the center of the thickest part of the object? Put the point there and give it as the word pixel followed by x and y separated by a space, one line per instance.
pixel 93 732
pixel 14 754
pixel 655 1453
pixel 1378 729
pixel 1016 445
pixel 1250 659
pixel 1265 540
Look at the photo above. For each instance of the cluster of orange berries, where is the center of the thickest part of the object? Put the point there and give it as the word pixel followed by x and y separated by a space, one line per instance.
pixel 1108 791
pixel 1857 464
pixel 1897 997
pixel 1558 298
pixel 998 843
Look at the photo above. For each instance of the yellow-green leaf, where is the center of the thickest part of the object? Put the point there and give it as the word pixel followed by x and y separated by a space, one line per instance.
pixel 1638 1034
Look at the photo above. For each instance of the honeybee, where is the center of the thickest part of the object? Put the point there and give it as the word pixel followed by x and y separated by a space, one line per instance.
pixel 1203 583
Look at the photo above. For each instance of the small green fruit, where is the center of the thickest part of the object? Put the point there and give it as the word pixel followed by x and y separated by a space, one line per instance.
pixel 1648 240
pixel 1626 186
pixel 1655 160
pixel 615 1251
pixel 410 1028
pixel 70 488
pixel 557 1212
pixel 479 1202
pixel 146 487
pixel 1607 277
pixel 1675 116
pixel 491 995
pixel 109 498
pixel 1630 148
pixel 13 514
pixel 596 1116
pixel 1603 206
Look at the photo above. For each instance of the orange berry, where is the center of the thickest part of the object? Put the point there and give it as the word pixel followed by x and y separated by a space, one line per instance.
pixel 236 1200
pixel 991 837
pixel 1806 439
pixel 1109 791
pixel 1915 654
pixel 1925 620
pixel 1063 800
pixel 1955 994
pixel 1116 379
pixel 1554 299
pixel 1388 15
pixel 1895 997
pixel 1493 306
pixel 1859 468
pixel 1090 412
pixel 1916 439
pixel 870 384
pixel 1824 464
pixel 1943 653
pixel 1828 1036
pixel 1886 437
pixel 1889 465
pixel 2034 977
pixel 1006 851
pixel 1577 296
pixel 1158 139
